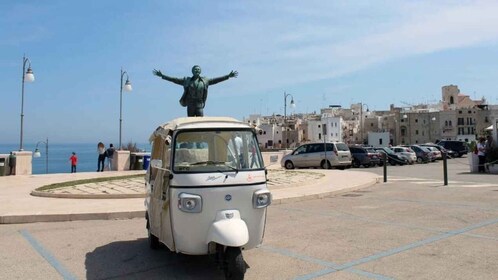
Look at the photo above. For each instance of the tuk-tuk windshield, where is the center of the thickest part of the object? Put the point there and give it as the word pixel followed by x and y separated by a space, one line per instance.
pixel 216 150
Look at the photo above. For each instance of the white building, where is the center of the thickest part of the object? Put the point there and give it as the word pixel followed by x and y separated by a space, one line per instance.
pixel 378 139
pixel 329 127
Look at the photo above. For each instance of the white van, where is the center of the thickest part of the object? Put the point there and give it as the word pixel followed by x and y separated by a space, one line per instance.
pixel 324 155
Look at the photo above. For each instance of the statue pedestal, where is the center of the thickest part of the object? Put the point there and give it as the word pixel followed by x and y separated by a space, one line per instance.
pixel 121 160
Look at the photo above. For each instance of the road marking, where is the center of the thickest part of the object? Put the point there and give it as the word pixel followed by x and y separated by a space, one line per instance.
pixel 47 256
pixel 331 267
pixel 421 181
pixel 400 249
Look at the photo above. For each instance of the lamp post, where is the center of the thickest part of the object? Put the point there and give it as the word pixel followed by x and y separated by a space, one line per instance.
pixel 430 126
pixel 395 132
pixel 127 87
pixel 37 153
pixel 361 120
pixel 293 105
pixel 27 75
pixel 405 117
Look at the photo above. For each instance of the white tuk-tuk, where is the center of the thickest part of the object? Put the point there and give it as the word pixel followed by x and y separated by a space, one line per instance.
pixel 206 190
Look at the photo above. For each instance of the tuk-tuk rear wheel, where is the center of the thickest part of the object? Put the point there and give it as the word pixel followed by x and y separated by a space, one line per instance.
pixel 235 265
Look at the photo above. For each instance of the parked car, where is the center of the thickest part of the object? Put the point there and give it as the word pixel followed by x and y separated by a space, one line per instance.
pixel 449 153
pixel 392 157
pixel 406 153
pixel 436 154
pixel 423 154
pixel 361 157
pixel 458 147
pixel 335 155
pixel 375 156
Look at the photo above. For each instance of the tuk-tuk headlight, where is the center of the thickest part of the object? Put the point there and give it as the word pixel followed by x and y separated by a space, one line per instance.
pixel 190 203
pixel 261 199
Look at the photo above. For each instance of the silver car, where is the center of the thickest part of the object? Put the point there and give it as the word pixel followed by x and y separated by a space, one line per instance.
pixel 406 153
pixel 324 155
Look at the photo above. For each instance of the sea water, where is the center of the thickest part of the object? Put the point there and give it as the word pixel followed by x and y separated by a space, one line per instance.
pixel 59 154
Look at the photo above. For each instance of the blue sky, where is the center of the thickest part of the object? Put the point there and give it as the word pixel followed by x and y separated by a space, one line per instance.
pixel 321 52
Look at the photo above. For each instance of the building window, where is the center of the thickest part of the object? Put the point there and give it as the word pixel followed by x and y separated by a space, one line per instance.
pixel 416 132
pixel 459 112
pixel 319 126
pixel 319 136
pixel 450 123
pixel 486 119
pixel 416 120
pixel 445 123
pixel 371 125
pixel 452 101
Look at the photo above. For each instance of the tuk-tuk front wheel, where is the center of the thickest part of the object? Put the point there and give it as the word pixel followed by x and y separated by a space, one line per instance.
pixel 235 266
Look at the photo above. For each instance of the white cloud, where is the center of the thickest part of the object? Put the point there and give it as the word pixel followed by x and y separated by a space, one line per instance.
pixel 299 49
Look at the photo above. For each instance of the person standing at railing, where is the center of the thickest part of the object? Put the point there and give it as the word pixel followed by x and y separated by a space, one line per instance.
pixel 74 161
pixel 101 159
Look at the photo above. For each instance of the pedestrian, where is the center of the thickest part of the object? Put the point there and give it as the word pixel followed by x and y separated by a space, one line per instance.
pixel 109 154
pixel 481 153
pixel 12 163
pixel 74 161
pixel 101 159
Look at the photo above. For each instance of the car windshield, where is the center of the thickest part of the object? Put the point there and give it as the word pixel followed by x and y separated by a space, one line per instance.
pixel 216 151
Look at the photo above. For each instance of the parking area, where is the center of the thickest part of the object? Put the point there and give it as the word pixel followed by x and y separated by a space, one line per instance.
pixel 408 228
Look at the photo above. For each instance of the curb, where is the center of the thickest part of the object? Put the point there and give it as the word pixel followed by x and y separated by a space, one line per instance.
pixel 24 219
pixel 36 218
pixel 88 196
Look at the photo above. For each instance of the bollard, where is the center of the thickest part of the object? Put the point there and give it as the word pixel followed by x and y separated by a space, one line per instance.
pixel 384 158
pixel 445 169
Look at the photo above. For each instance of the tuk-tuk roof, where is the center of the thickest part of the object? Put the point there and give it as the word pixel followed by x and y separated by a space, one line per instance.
pixel 196 122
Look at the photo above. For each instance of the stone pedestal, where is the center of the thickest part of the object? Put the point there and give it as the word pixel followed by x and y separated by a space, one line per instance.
pixel 121 160
pixel 473 162
pixel 24 163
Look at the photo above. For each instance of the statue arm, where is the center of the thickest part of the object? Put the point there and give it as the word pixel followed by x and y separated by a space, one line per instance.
pixel 223 78
pixel 177 81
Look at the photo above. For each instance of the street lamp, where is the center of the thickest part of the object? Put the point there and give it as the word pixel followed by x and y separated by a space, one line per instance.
pixel 395 132
pixel 361 120
pixel 127 87
pixel 293 105
pixel 27 75
pixel 430 127
pixel 37 153
pixel 405 116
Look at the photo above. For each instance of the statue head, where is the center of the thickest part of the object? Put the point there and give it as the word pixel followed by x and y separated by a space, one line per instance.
pixel 196 70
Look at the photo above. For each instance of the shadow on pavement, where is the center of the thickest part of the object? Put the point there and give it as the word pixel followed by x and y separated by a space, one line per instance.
pixel 135 260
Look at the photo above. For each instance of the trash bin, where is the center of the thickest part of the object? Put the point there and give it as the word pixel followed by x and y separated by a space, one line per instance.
pixel 146 161
pixel 2 166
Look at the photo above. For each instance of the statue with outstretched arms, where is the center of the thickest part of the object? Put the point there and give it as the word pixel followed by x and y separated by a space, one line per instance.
pixel 195 89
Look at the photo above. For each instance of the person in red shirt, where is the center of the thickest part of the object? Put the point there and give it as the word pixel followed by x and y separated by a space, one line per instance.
pixel 74 162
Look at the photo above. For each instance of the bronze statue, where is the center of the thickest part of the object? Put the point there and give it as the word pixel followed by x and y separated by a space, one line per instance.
pixel 195 89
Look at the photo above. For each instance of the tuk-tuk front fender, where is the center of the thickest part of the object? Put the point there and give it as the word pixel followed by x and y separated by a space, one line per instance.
pixel 228 229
